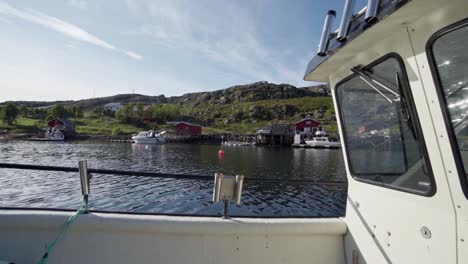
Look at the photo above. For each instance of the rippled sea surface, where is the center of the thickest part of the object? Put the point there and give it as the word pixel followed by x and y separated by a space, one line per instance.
pixel 40 189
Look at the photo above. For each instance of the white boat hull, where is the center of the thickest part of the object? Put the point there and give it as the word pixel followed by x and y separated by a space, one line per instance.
pixel 149 137
pixel 238 144
pixel 318 144
pixel 55 139
pixel 54 135
pixel 146 140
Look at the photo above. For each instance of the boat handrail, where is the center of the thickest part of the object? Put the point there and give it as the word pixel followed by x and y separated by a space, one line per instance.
pixel 161 175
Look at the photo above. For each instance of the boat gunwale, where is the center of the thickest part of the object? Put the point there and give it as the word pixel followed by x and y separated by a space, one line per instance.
pixel 168 224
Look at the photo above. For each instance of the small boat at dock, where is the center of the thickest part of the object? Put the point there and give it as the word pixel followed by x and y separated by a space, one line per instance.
pixel 149 137
pixel 238 144
pixel 51 134
pixel 323 142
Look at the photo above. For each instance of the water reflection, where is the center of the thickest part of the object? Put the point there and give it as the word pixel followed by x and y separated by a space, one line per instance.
pixel 139 194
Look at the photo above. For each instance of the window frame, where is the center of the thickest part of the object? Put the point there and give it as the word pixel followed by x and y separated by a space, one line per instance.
pixel 443 102
pixel 416 122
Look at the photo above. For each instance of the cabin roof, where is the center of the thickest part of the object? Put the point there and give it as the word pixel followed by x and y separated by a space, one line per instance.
pixel 277 129
pixel 63 120
pixel 307 119
pixel 316 71
pixel 179 122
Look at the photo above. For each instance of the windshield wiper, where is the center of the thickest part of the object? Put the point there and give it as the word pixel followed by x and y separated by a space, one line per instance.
pixel 399 97
pixel 363 75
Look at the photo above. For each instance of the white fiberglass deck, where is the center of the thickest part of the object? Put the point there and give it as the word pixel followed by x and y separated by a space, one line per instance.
pixel 119 238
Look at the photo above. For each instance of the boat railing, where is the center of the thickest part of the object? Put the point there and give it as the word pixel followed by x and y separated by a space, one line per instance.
pixel 162 175
pixel 90 173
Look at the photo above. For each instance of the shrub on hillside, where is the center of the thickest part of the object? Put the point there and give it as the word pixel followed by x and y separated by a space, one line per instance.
pixel 166 112
pixel 116 131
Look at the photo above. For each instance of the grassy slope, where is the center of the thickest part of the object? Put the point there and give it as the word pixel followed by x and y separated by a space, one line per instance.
pixel 87 125
pixel 23 125
pixel 305 105
pixel 106 125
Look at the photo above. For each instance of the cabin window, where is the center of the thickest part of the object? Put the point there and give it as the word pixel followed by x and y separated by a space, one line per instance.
pixel 449 55
pixel 383 141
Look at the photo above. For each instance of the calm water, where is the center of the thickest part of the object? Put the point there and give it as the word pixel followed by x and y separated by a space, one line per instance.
pixel 152 195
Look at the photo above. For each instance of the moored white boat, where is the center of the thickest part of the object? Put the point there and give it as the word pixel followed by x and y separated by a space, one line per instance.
pixel 323 142
pixel 238 144
pixel 54 135
pixel 149 137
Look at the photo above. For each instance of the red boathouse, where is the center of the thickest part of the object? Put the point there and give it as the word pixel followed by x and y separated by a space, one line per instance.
pixel 184 128
pixel 307 126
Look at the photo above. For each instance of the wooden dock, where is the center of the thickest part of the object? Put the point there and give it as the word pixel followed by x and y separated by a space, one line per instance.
pixel 44 139
pixel 122 141
pixel 316 147
pixel 301 146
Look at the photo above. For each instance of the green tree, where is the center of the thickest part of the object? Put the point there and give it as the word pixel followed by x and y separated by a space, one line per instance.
pixel 121 115
pixel 117 131
pixel 130 111
pixel 38 113
pixel 166 112
pixel 24 110
pixel 98 111
pixel 48 118
pixel 78 111
pixel 139 111
pixel 9 113
pixel 127 114
pixel 58 111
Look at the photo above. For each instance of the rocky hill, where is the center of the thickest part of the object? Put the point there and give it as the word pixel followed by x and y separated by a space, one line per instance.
pixel 240 93
pixel 249 93
pixel 237 109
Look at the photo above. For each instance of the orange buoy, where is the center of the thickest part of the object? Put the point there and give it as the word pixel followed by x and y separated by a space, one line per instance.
pixel 221 153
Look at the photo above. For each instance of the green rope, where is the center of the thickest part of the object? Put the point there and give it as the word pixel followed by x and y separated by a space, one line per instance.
pixel 64 230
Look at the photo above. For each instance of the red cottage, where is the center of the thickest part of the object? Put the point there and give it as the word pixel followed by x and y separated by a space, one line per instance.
pixel 63 125
pixel 184 128
pixel 308 126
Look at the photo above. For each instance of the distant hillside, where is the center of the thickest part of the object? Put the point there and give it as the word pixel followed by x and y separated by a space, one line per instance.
pixel 240 93
pixel 318 89
pixel 237 109
pixel 90 104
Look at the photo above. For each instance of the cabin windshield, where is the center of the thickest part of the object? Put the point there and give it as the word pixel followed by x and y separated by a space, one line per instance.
pixel 451 62
pixel 381 144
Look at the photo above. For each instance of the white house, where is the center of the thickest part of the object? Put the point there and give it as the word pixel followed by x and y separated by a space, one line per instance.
pixel 113 107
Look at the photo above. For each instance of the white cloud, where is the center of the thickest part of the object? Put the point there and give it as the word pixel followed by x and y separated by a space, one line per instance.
pixel 134 55
pixel 62 27
pixel 228 37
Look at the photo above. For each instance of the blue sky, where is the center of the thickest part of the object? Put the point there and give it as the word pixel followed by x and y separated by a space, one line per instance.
pixel 75 49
